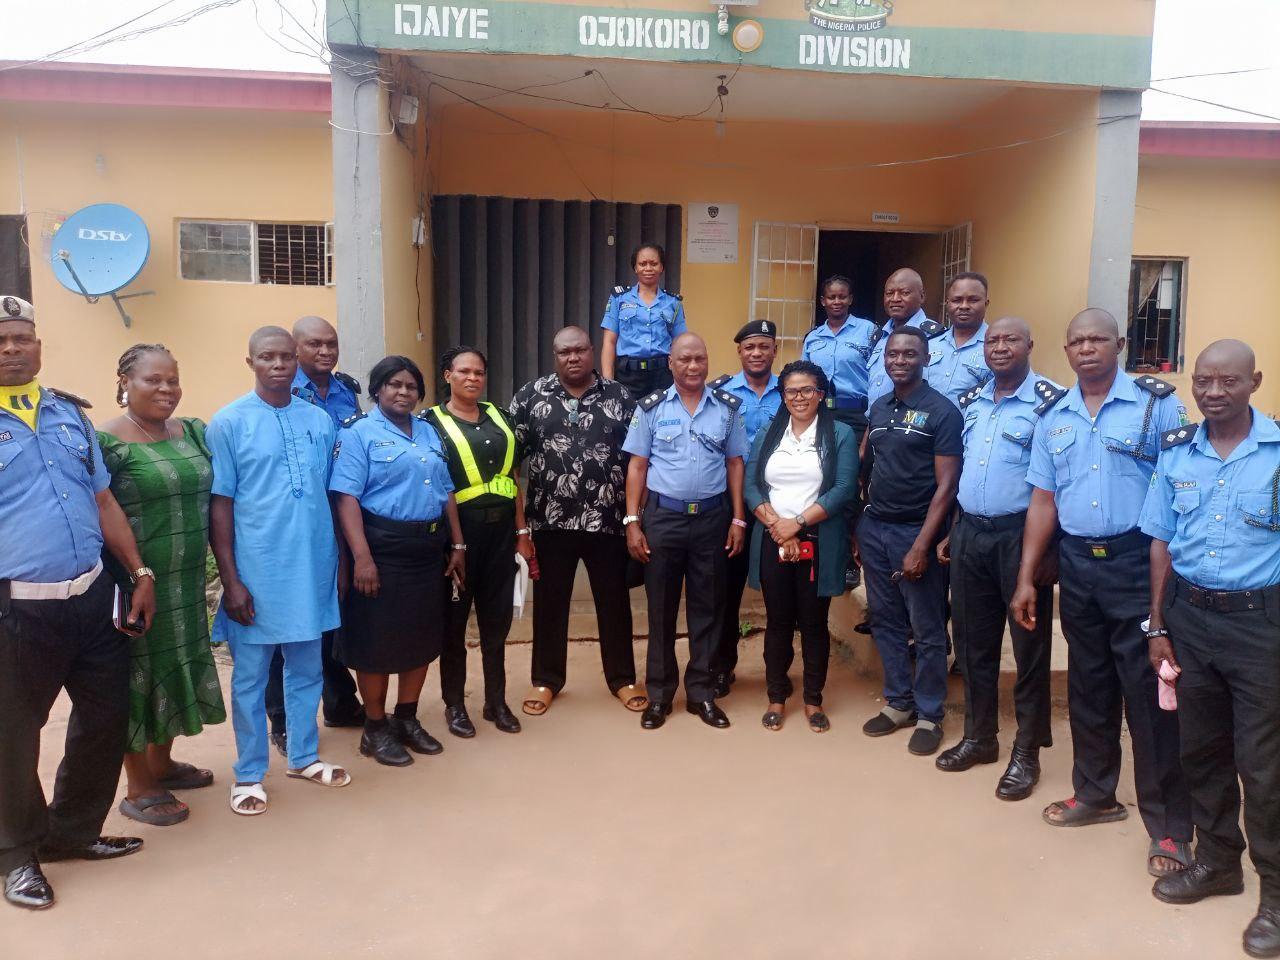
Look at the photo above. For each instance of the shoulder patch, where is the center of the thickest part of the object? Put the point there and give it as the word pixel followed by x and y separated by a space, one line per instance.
pixel 1049 394
pixel 619 290
pixel 970 396
pixel 348 381
pixel 931 328
pixel 678 296
pixel 356 418
pixel 1175 438
pixel 71 397
pixel 719 381
pixel 651 401
pixel 727 398
pixel 1154 386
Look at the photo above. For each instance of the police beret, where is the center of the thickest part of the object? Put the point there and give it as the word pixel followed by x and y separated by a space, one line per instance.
pixel 15 308
pixel 757 328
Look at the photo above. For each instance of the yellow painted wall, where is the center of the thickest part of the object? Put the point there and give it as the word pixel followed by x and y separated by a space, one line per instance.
pixel 1032 206
pixel 1224 217
pixel 165 164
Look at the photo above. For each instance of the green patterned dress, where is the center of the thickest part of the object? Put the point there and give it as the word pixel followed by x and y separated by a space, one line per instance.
pixel 163 489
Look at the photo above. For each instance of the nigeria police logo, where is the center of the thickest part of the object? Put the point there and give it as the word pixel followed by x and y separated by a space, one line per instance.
pixel 849 16
pixel 12 307
pixel 713 212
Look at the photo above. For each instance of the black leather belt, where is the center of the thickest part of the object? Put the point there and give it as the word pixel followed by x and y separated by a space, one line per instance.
pixel 857 404
pixel 411 527
pixel 1222 601
pixel 689 507
pixel 1104 548
pixel 1009 521
pixel 643 363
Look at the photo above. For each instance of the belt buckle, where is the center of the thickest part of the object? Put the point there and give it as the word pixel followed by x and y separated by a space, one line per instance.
pixel 1099 549
pixel 644 364
pixel 692 508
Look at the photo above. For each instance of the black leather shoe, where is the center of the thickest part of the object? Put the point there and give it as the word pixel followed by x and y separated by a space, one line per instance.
pixel 26 887
pixel 104 848
pixel 409 732
pixel 708 713
pixel 724 684
pixel 655 715
pixel 354 718
pixel 281 742
pixel 968 753
pixel 1197 882
pixel 382 745
pixel 500 716
pixel 458 722
pixel 1021 775
pixel 1262 936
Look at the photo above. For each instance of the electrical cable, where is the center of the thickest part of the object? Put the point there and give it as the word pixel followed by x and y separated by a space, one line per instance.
pixel 1216 73
pixel 1213 103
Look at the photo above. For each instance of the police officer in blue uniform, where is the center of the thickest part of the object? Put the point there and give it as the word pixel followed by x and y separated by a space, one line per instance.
pixel 985 548
pixel 903 307
pixel 842 348
pixel 639 324
pixel 687 444
pixel 1213 513
pixel 337 394
pixel 1092 458
pixel 756 385
pixel 56 629
pixel 956 361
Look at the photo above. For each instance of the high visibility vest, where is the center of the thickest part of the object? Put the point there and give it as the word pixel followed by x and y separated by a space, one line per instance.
pixel 502 484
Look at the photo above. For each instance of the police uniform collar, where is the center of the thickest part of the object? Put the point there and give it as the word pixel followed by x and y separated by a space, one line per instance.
pixel 739 379
pixel 377 415
pixel 672 393
pixel 1026 389
pixel 1263 430
pixel 1122 388
pixel 979 336
pixel 914 396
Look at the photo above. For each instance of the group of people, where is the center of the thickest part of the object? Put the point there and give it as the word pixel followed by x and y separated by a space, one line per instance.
pixel 933 457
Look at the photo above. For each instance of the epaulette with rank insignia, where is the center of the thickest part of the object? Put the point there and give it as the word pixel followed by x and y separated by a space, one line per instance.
pixel 71 397
pixel 719 381
pixel 81 405
pixel 931 328
pixel 357 417
pixel 727 398
pixel 1175 438
pixel 348 381
pixel 652 400
pixel 1049 394
pixel 678 296
pixel 619 290
pixel 970 396
pixel 1154 386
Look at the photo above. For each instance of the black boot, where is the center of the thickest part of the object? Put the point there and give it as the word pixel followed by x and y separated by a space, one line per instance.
pixel 378 742
pixel 1021 775
pixel 409 732
pixel 1262 936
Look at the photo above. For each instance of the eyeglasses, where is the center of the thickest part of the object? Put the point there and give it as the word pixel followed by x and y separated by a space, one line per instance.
pixel 800 393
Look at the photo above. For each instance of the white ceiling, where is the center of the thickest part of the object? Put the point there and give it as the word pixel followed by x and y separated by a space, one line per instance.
pixel 683 89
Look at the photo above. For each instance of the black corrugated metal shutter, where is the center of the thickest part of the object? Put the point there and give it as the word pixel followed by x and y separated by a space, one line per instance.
pixel 509 273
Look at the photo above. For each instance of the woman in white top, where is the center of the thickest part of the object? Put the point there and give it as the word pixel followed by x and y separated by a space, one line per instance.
pixel 801 478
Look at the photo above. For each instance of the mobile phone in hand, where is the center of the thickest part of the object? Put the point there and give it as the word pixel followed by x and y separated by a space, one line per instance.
pixel 120 614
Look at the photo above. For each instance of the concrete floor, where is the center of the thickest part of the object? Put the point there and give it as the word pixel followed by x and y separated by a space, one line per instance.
pixel 585 836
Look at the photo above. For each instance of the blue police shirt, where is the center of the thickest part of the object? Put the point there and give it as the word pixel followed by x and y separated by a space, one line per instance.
pixel 644 330
pixel 1099 470
pixel 756 411
pixel 878 382
pixel 340 402
pixel 954 370
pixel 843 355
pixel 49 527
pixel 997 449
pixel 687 454
pixel 1220 517
pixel 391 474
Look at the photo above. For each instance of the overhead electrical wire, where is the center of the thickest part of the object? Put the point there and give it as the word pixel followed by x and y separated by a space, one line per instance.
pixel 1214 103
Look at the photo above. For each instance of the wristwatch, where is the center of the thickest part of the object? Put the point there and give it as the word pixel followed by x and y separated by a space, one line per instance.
pixel 522 532
pixel 630 519
pixel 459 546
pixel 799 518
pixel 140 573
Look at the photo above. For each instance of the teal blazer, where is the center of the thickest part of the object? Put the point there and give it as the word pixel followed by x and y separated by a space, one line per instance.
pixel 837 495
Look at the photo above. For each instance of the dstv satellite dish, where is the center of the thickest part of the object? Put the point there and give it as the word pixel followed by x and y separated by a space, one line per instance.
pixel 100 250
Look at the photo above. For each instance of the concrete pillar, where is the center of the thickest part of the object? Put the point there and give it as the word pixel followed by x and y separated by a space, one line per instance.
pixel 1115 193
pixel 359 109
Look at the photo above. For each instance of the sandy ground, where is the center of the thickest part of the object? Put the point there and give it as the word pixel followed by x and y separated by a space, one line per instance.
pixel 585 836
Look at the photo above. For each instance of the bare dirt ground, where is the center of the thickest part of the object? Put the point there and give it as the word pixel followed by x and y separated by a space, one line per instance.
pixel 585 836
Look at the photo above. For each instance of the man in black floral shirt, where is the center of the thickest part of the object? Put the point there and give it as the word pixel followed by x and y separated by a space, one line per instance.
pixel 569 430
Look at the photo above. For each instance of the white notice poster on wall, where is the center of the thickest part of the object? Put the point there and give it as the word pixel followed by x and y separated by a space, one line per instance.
pixel 713 233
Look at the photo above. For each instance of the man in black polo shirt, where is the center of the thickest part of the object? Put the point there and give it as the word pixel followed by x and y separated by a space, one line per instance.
pixel 914 448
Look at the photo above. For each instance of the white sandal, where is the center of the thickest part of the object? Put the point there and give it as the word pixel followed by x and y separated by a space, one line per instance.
pixel 322 773
pixel 240 792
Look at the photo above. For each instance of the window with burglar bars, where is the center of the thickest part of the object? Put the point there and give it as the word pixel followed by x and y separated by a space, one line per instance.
pixel 1156 297
pixel 237 251
pixel 956 246
pixel 784 277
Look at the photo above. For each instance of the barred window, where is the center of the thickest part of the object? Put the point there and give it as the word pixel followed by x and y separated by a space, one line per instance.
pixel 296 254
pixel 1156 298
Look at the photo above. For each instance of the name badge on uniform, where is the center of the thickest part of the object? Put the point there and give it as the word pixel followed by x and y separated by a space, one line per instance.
pixel 385 443
pixel 668 423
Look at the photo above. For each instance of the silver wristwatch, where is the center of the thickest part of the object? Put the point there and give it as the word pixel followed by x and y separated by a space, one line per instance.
pixel 630 519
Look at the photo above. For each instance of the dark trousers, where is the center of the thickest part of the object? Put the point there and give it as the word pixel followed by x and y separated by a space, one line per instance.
pixel 984 561
pixel 901 608
pixel 490 536
pixel 684 549
pixel 856 420
pixel 1229 714
pixel 1103 604
pixel 640 383
pixel 605 555
pixel 792 603
pixel 339 701
pixel 736 572
pixel 46 645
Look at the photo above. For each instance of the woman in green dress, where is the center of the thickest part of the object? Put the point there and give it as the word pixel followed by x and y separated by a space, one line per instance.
pixel 161 474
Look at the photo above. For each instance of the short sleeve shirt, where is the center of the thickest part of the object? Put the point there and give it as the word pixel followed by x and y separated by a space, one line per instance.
pixel 339 402
pixel 955 370
pixel 997 449
pixel 843 355
pixel 644 330
pixel 878 382
pixel 757 410
pixel 686 453
pixel 905 435
pixel 392 474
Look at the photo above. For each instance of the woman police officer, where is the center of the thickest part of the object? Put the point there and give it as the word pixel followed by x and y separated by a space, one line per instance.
pixel 639 324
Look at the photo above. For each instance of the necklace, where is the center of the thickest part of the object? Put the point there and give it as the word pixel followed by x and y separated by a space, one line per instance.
pixel 152 437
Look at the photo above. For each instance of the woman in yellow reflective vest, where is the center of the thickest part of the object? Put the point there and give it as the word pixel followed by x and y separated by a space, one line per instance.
pixel 482 465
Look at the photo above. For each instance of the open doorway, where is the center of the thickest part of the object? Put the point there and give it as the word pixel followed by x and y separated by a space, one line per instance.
pixel 867 257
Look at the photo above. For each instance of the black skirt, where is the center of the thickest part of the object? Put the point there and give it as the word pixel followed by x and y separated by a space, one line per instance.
pixel 401 628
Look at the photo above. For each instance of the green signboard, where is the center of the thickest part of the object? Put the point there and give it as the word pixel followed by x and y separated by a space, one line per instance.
pixel 839 36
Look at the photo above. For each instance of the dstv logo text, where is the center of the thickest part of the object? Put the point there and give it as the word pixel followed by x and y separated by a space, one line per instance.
pixel 84 233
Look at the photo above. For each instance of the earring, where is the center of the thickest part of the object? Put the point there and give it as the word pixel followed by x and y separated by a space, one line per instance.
pixel 124 398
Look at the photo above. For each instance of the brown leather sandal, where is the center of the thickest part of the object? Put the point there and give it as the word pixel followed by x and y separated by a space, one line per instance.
pixel 537 701
pixel 633 698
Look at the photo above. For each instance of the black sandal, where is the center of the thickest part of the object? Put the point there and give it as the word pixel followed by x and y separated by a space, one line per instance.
pixel 819 723
pixel 772 720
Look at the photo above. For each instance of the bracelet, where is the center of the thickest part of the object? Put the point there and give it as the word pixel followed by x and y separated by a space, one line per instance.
pixel 459 546
pixel 522 532
pixel 630 519
pixel 739 523
pixel 1155 634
